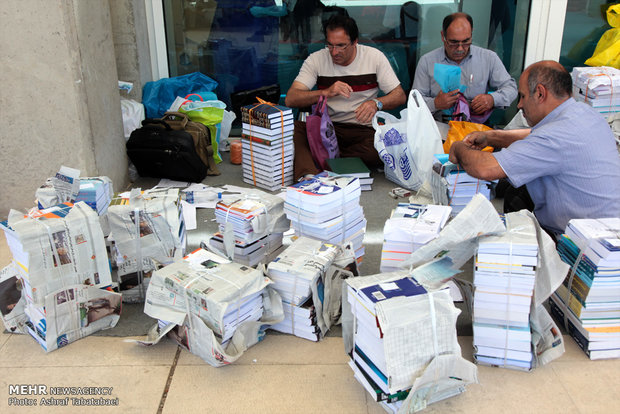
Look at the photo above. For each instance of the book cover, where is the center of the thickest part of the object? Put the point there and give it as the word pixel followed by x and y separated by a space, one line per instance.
pixel 407 286
pixel 351 166
pixel 269 111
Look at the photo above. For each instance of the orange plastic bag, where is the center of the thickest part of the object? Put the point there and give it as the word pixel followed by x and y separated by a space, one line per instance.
pixel 458 131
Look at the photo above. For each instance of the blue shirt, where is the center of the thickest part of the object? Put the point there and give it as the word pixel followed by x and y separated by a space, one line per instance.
pixel 570 165
pixel 481 71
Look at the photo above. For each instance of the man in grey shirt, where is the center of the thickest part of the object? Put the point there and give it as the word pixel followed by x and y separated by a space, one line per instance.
pixel 568 160
pixel 481 71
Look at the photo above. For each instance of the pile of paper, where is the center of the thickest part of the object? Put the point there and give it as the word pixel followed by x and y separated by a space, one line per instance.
pixel 598 87
pixel 328 208
pixel 61 258
pixel 410 227
pixel 267 145
pixel 299 275
pixel 504 279
pixel 250 227
pixel 402 341
pixel 587 303
pixel 453 186
pixel 204 299
pixel 148 232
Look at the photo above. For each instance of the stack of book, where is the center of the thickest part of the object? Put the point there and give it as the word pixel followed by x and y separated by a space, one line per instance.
pixel 410 227
pixel 328 208
pixel 352 167
pixel 396 340
pixel 267 145
pixel 598 87
pixel 458 186
pixel 298 275
pixel 587 302
pixel 96 192
pixel 504 277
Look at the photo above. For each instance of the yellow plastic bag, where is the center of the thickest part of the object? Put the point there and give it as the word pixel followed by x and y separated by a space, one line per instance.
pixel 607 52
pixel 459 129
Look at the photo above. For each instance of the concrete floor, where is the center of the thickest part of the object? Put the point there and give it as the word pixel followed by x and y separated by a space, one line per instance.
pixel 281 374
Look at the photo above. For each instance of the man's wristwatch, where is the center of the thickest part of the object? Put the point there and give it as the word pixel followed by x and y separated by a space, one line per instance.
pixel 379 104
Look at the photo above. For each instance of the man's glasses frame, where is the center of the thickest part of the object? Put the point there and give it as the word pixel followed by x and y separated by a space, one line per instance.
pixel 337 48
pixel 455 43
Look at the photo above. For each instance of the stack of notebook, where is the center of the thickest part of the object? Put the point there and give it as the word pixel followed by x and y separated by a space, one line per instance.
pixel 352 167
pixel 587 303
pixel 298 274
pixel 458 186
pixel 504 280
pixel 410 227
pixel 267 145
pixel 328 208
pixel 598 87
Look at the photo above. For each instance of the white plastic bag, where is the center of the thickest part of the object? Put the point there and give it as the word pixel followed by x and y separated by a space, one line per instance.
pixel 407 145
pixel 133 115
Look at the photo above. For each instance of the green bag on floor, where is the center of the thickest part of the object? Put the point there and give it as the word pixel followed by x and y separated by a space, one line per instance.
pixel 210 114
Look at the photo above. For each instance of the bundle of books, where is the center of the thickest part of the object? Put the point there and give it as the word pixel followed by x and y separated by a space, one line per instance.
pixel 64 273
pixel 352 167
pixel 598 87
pixel 587 302
pixel 95 191
pixel 328 208
pixel 410 227
pixel 257 220
pixel 397 340
pixel 457 186
pixel 267 145
pixel 298 275
pixel 504 277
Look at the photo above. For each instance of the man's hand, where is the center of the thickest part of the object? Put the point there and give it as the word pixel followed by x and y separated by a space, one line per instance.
pixel 446 100
pixel 338 88
pixel 453 148
pixel 482 103
pixel 476 140
pixel 365 112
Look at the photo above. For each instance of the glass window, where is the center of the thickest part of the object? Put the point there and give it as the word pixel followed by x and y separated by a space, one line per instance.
pixel 248 44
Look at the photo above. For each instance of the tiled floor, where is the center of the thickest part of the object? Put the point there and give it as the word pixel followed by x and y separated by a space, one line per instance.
pixel 281 374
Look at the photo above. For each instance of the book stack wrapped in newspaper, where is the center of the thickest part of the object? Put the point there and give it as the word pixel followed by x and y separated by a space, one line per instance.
pixel 402 341
pixel 587 303
pixel 328 208
pixel 251 227
pixel 148 232
pixel 452 186
pixel 267 145
pixel 410 227
pixel 598 87
pixel 213 307
pixel 504 278
pixel 12 305
pixel 299 276
pixel 64 273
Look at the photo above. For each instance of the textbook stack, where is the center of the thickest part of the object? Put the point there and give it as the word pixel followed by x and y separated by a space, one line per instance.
pixel 402 351
pixel 352 167
pixel 328 208
pixel 587 302
pixel 95 191
pixel 598 87
pixel 410 227
pixel 298 274
pixel 456 187
pixel 267 145
pixel 61 258
pixel 504 277
pixel 257 221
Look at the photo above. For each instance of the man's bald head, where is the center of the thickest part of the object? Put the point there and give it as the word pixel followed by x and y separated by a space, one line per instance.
pixel 552 75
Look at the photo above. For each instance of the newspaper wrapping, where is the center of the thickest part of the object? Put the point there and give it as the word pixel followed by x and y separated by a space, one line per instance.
pixel 12 304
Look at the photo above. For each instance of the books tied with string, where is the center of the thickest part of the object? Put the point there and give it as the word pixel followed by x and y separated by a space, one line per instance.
pixel 598 87
pixel 308 276
pixel 504 279
pixel 60 266
pixel 328 208
pixel 452 186
pixel 267 145
pixel 212 307
pixel 587 303
pixel 147 232
pixel 410 227
pixel 250 227
pixel 402 341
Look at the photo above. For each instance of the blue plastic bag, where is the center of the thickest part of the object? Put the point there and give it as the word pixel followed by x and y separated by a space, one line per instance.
pixel 157 96
pixel 448 77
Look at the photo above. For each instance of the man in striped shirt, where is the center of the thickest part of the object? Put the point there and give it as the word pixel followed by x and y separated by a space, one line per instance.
pixel 350 76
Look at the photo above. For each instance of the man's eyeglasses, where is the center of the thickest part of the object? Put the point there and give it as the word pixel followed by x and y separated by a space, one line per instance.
pixel 455 43
pixel 337 48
